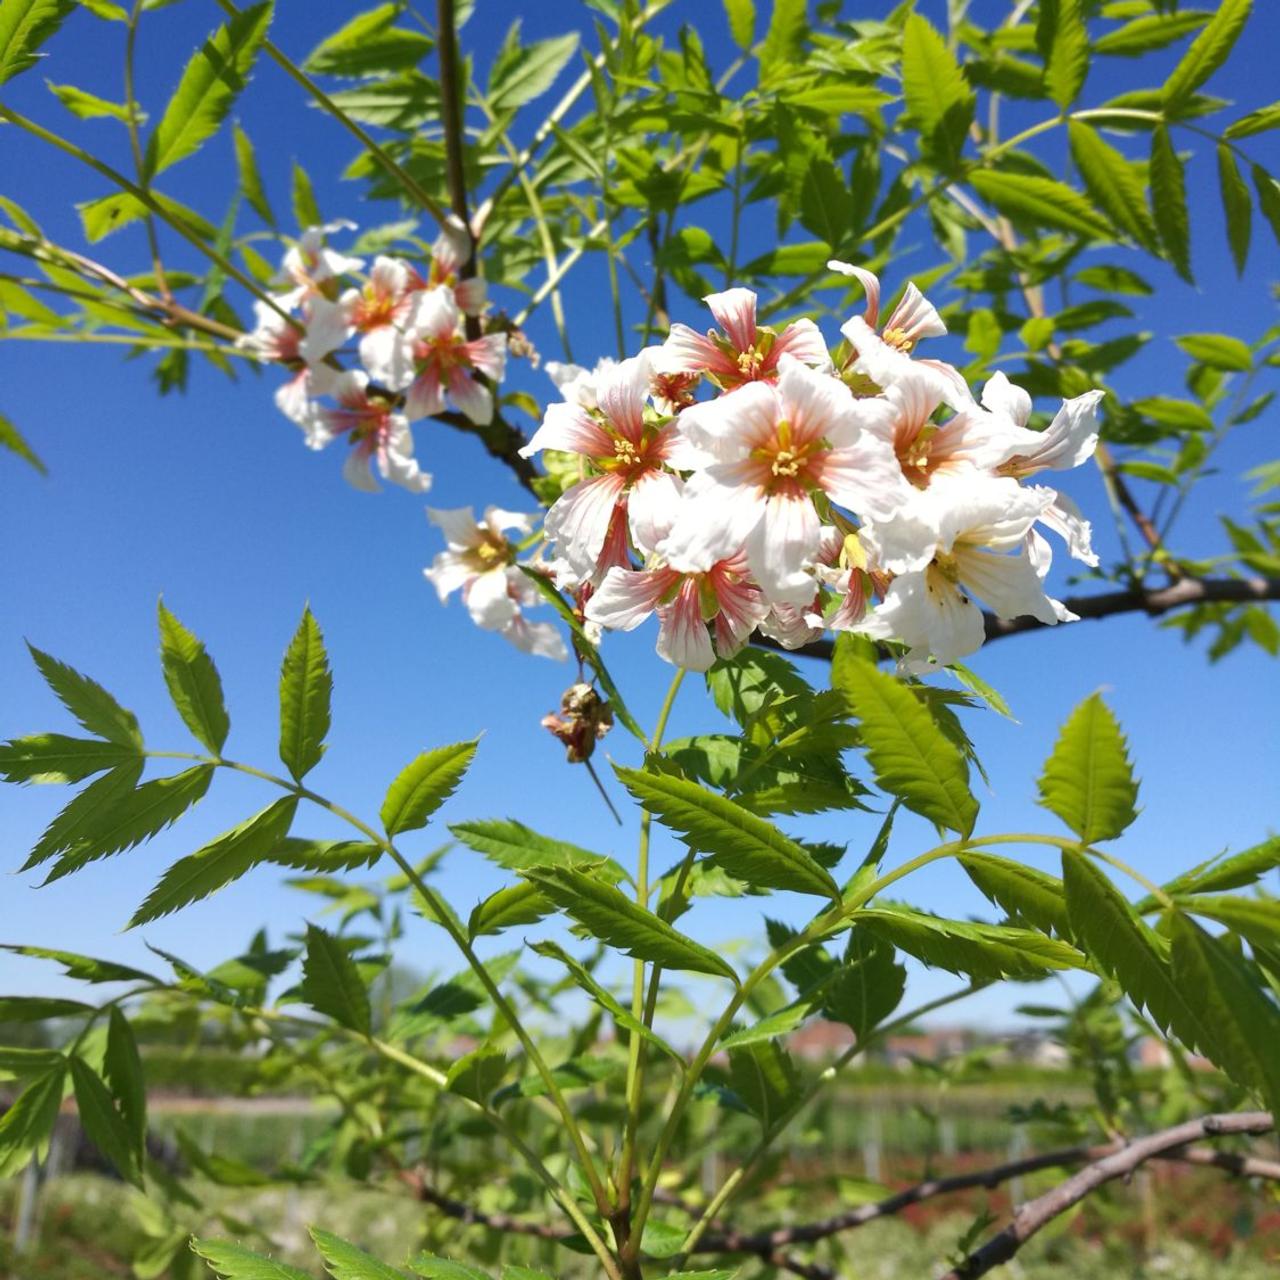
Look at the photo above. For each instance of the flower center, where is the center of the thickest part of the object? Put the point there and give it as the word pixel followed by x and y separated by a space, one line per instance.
pixel 625 453
pixel 899 339
pixel 749 363
pixel 786 463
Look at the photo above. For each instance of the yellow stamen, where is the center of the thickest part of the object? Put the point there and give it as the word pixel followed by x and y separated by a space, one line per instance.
pixel 899 339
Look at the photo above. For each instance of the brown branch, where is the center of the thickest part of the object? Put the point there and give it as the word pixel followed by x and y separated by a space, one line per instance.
pixel 451 1208
pixel 1151 601
pixel 1038 1213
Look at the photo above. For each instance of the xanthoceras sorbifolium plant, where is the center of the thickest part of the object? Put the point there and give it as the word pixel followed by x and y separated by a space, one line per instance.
pixel 1192 956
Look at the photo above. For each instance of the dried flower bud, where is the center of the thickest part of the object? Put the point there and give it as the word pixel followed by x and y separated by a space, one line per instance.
pixel 585 717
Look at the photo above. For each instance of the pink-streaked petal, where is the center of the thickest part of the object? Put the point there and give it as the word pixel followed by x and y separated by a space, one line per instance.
pixel 569 429
pixel 388 277
pixel 653 503
pixel 294 400
pixel 789 625
pixel 817 406
pixel 434 313
pixel 735 312
pixel 781 546
pixel 674 448
pixel 801 340
pixel 730 426
pixel 870 283
pixel 916 317
pixel 687 351
pixel 682 637
pixel 620 395
pixel 718 512
pixel 471 295
pixel 489 355
pixel 579 521
pixel 473 399
pixel 626 597
pixel 327 330
pixel 425 397
pixel 865 478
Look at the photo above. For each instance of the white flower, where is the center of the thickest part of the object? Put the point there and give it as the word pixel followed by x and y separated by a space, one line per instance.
pixel 310 264
pixel 576 384
pixel 376 433
pixel 773 448
pixel 380 312
pixel 302 349
pixel 444 360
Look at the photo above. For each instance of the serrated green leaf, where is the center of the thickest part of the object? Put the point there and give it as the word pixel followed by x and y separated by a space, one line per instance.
pixel 515 847
pixel 1235 872
pixel 326 855
pixel 82 815
pixel 193 682
pixel 344 1261
pixel 1268 190
pixel 306 688
pixel 1088 780
pixel 234 1262
pixel 39 1008
pixel 12 439
pixel 737 840
pixel 1150 31
pixel 1208 51
pixel 251 185
pixel 867 987
pixel 1113 183
pixel 24 26
pixel 1040 202
pixel 1123 947
pixel 102 1123
pixel 1066 45
pixel 612 918
pixel 517 904
pixel 1218 350
pixel 306 212
pixel 1257 920
pixel 1262 120
pixel 132 817
pixel 55 758
pixel 110 213
pixel 476 1075
pixel 1020 890
pixel 218 863
pixel 938 97
pixel 88 701
pixel 81 968
pixel 88 106
pixel 122 1067
pixel 424 785
pixel 434 1268
pixel 913 758
pixel 1169 201
pixel 982 951
pixel 370 44
pixel 783 43
pixel 826 207
pixel 605 999
pixel 1242 1023
pixel 1237 207
pixel 25 1128
pixel 210 83
pixel 331 982
pixel 765 1079
pixel 742 21
pixel 521 73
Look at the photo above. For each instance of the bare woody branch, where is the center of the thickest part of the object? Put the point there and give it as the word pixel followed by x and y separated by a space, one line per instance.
pixel 1038 1213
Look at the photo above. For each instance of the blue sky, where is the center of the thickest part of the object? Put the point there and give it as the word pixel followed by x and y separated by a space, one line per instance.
pixel 212 500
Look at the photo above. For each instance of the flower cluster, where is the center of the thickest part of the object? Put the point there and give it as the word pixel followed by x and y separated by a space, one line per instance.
pixel 869 491
pixel 410 334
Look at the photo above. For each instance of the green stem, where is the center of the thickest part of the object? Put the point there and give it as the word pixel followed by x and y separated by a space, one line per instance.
pixel 1149 885
pixel 149 202
pixel 444 917
pixel 135 141
pixel 401 175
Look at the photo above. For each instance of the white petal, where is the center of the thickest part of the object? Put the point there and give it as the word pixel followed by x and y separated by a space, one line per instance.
pixel 472 398
pixel 489 602
pixel 458 524
pixel 683 637
pixel 579 520
pixel 715 517
pixel 653 503
pixel 1003 397
pixel 387 354
pixel 626 598
pixel 327 330
pixel 781 547
pixel 1008 583
pixel 540 638
pixel 870 283
pixel 735 311
pixel 802 340
pixel 356 472
pixel 1067 520
pixel 567 428
pixel 929 614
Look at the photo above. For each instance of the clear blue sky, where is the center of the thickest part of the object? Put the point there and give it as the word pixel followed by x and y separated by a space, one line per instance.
pixel 212 499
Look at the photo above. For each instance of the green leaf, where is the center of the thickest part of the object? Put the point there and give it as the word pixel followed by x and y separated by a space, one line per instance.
pixel 516 847
pixel 344 1261
pixel 982 951
pixel 1260 121
pixel 517 904
pixel 102 1123
pixel 122 1066
pixel 1218 350
pixel 83 814
pixel 305 691
pixel 1208 51
pixel 744 845
pixel 826 207
pixel 326 855
pixel 25 1128
pixel 765 1079
pixel 88 106
pixel 867 987
pixel 1268 190
pixel 24 26
pixel 1088 780
pixel 1066 42
pixel 1243 1024
pixel 742 21
pixel 1237 207
pixel 11 438
pixel 331 981
pixel 369 45
pixel 128 819
pixel 612 918
pixel 306 212
pixel 193 682
pixel 1244 868
pixel 938 97
pixel 476 1075
pixel 424 785
pixel 1149 31
pixel 1020 890
pixel 783 44
pixel 1040 202
pixel 218 863
pixel 234 1262
pixel 101 217
pixel 1169 201
pixel 1113 183
pixel 251 185
pixel 522 73
pixel 53 758
pixel 605 999
pixel 81 968
pixel 39 1008
pixel 211 82
pixel 1122 946
pixel 913 759
pixel 89 702
pixel 1255 919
